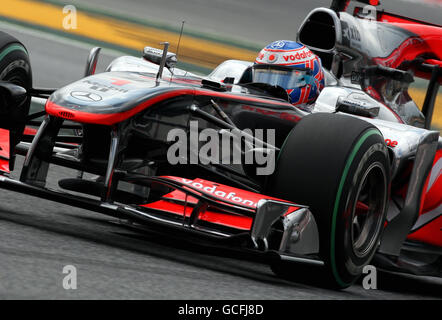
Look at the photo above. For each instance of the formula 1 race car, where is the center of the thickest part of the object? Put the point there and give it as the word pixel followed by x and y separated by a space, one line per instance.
pixel 356 179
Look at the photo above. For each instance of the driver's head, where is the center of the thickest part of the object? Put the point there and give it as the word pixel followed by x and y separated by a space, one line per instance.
pixel 291 66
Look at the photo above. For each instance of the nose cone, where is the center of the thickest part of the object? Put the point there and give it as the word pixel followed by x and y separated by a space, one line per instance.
pixel 109 92
pixel 110 97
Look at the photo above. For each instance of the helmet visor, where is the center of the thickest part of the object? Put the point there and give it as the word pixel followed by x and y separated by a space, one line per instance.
pixel 285 77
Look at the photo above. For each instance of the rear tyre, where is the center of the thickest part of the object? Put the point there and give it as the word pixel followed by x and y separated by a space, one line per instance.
pixel 338 165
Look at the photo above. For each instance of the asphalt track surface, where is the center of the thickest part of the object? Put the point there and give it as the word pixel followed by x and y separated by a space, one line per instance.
pixel 38 238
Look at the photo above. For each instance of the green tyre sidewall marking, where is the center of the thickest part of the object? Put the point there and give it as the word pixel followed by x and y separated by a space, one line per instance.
pixel 10 48
pixel 348 164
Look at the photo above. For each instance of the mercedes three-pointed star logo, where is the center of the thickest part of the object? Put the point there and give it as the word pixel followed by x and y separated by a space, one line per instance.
pixel 86 96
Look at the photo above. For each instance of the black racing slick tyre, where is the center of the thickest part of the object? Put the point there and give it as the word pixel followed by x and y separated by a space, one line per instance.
pixel 15 68
pixel 338 165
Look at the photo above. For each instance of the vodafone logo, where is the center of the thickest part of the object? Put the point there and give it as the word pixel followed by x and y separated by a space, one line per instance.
pixel 298 56
pixel 284 57
pixel 220 193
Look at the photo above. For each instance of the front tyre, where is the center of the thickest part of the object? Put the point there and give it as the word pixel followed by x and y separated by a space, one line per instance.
pixel 338 165
pixel 15 68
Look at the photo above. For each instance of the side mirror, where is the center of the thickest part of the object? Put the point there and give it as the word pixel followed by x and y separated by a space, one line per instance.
pixel 356 107
pixel 155 55
pixel 11 97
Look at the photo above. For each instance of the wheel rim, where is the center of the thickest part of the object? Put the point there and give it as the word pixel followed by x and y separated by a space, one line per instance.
pixel 367 214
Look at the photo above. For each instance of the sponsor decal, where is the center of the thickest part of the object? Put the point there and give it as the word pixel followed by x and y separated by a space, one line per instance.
pixel 86 96
pixel 120 82
pixel 295 56
pixel 97 86
pixel 218 192
pixel 352 33
pixel 391 143
pixel 278 44
pixel 298 56
pixel 356 77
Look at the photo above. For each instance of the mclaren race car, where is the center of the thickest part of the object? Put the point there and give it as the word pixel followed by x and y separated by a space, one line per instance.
pixel 356 180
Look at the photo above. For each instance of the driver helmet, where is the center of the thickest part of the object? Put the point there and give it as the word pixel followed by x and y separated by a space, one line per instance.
pixel 293 67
